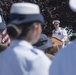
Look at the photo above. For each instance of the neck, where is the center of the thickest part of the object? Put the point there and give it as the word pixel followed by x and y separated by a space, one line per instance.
pixel 29 40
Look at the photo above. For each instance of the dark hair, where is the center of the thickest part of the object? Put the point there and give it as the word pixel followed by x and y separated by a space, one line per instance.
pixel 13 33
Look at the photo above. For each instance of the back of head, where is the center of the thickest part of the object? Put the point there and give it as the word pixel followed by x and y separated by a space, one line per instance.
pixel 23 17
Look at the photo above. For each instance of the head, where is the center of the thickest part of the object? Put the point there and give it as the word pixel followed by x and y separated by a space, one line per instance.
pixel 25 25
pixel 43 43
pixel 56 23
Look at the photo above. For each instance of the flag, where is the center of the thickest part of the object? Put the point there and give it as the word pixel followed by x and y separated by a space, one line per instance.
pixel 5 38
pixel 3 29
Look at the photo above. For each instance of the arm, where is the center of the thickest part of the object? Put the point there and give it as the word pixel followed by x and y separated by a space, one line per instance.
pixel 65 35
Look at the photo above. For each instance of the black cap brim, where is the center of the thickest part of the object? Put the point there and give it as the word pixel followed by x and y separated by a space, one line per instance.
pixel 18 19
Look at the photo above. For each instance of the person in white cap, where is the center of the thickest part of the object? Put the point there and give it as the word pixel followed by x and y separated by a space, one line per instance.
pixel 59 32
pixel 64 62
pixel 24 29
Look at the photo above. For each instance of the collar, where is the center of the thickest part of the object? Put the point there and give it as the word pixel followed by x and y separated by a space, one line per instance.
pixel 22 43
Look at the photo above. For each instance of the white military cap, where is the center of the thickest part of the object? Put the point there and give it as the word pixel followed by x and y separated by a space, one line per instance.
pixel 72 4
pixel 24 13
pixel 55 21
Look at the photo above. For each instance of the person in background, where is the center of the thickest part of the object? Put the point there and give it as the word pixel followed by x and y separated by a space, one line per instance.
pixel 64 62
pixel 4 37
pixel 45 44
pixel 25 28
pixel 59 32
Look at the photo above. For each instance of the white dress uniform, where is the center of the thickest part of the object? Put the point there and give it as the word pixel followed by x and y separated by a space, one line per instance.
pixel 23 59
pixel 4 69
pixel 61 34
pixel 64 62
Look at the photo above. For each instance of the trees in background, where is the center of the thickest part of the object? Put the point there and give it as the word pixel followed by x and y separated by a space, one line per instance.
pixel 51 9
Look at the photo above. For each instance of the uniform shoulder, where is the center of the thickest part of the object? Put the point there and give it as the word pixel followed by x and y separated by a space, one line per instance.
pixel 69 50
pixel 40 52
pixel 29 54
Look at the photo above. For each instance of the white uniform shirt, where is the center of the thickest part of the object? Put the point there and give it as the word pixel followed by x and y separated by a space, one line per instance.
pixel 23 59
pixel 64 62
pixel 4 69
pixel 60 33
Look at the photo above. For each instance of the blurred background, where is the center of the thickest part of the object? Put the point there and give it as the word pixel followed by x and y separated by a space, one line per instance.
pixel 51 9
